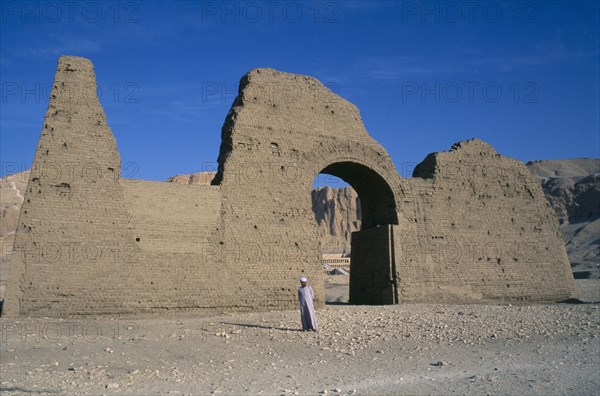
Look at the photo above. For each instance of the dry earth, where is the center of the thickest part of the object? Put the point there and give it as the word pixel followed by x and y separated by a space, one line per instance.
pixel 409 349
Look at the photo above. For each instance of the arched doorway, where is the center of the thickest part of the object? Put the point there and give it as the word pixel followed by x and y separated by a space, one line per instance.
pixel 372 269
pixel 337 212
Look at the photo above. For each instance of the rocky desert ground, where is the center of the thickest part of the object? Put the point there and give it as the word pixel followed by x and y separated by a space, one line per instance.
pixel 409 349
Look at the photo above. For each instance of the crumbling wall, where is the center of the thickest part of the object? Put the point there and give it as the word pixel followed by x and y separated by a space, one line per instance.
pixel 470 225
pixel 90 242
pixel 282 130
pixel 73 234
pixel 483 231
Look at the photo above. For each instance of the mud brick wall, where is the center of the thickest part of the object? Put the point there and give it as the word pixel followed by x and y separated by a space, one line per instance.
pixel 481 231
pixel 470 226
pixel 283 130
pixel 171 217
pixel 73 224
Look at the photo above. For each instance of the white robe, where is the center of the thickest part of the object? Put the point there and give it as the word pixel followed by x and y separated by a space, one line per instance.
pixel 307 310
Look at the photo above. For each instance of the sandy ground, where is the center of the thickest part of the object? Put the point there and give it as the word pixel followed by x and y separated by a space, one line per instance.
pixel 410 349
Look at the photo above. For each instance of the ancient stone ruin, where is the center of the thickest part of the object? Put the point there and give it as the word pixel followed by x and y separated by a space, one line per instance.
pixel 470 226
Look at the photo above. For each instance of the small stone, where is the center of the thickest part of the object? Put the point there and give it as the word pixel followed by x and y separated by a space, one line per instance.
pixel 112 385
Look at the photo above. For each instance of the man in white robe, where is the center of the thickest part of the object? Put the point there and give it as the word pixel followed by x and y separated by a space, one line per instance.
pixel 307 310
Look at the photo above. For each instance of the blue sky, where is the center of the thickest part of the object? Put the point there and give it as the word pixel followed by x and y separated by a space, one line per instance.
pixel 521 75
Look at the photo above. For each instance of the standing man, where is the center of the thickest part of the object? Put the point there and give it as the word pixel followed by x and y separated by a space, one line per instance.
pixel 307 310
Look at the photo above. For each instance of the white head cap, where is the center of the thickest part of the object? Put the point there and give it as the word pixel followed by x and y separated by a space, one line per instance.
pixel 303 279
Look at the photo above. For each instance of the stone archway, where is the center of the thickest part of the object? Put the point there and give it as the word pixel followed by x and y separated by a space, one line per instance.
pixel 289 128
pixel 373 274
pixel 376 197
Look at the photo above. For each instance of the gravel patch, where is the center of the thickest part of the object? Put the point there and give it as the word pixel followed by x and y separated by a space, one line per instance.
pixel 402 349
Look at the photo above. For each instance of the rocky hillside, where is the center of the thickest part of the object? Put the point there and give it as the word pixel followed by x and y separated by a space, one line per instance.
pixel 11 198
pixel 573 189
pixel 337 212
pixel 201 178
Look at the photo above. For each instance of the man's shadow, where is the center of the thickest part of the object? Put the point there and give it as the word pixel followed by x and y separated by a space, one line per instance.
pixel 337 303
pixel 257 326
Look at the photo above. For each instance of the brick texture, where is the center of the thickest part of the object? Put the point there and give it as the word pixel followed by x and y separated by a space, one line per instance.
pixel 470 226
